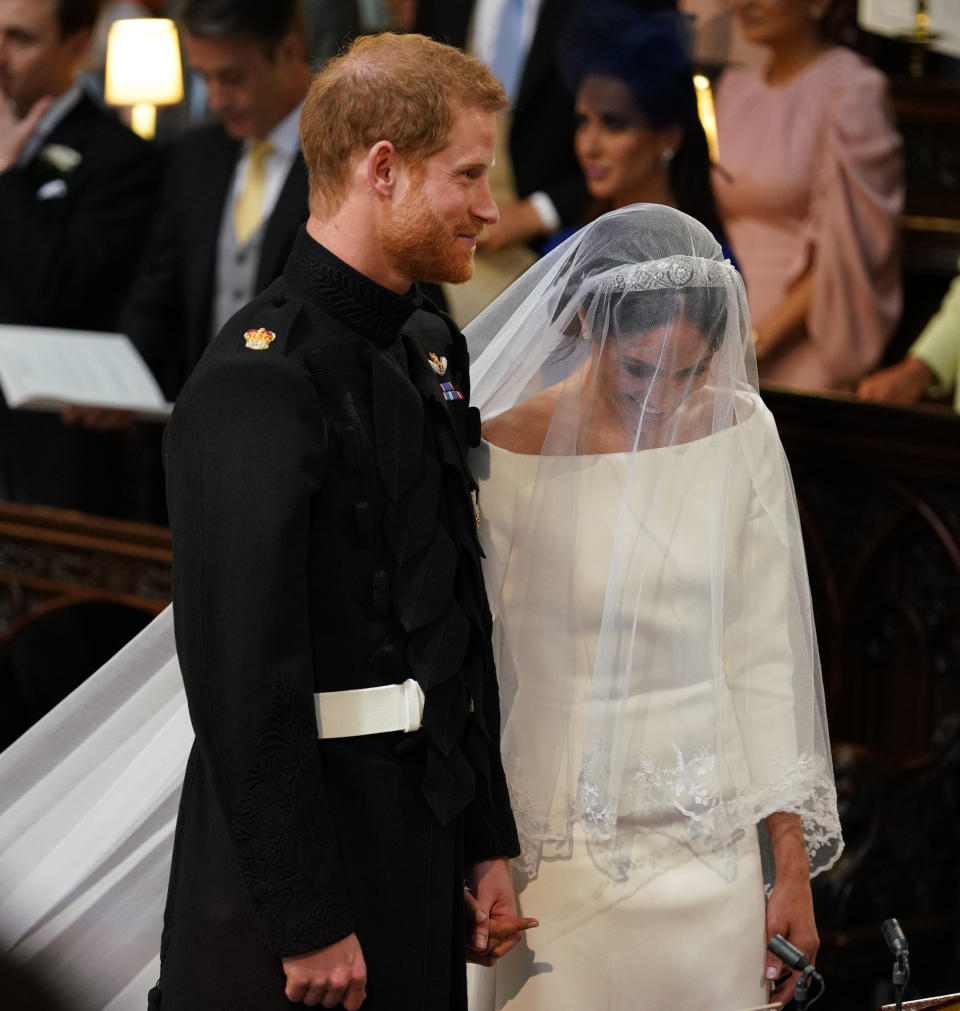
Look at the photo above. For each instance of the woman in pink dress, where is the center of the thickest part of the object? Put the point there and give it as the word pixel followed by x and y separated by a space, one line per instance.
pixel 810 185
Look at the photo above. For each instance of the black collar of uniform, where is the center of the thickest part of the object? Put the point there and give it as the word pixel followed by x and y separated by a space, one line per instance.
pixel 353 298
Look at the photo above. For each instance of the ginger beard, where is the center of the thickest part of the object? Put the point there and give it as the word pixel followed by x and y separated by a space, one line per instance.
pixel 423 245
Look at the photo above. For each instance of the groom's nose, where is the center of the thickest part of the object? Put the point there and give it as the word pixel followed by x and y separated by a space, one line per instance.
pixel 484 206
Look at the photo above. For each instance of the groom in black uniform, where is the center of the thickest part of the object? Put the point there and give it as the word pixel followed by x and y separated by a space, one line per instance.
pixel 325 541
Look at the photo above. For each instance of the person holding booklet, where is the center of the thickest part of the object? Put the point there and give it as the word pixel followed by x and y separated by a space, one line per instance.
pixel 77 195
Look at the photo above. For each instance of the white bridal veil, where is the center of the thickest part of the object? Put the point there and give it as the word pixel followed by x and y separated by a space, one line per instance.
pixel 690 632
pixel 88 804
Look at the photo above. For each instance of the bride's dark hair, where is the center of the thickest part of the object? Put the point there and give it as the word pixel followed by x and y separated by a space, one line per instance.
pixel 649 53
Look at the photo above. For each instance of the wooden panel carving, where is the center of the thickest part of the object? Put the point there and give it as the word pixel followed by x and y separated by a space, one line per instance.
pixel 50 556
pixel 928 116
pixel 879 496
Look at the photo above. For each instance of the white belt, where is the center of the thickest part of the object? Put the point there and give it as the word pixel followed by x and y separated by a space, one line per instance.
pixel 369 710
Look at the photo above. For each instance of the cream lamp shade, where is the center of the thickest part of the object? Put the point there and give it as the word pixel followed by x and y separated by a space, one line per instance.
pixel 143 68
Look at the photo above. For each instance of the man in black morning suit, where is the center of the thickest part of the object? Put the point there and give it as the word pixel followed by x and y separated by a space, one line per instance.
pixel 325 541
pixel 77 192
pixel 253 58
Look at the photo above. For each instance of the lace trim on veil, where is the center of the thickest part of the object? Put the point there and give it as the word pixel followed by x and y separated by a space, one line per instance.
pixel 706 827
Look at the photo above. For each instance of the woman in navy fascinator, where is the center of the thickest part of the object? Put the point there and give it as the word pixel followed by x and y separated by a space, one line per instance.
pixel 637 136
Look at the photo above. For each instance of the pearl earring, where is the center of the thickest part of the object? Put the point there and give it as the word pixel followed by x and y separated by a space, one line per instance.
pixel 666 156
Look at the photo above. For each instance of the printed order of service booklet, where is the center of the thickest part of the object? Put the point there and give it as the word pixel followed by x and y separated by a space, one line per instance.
pixel 46 369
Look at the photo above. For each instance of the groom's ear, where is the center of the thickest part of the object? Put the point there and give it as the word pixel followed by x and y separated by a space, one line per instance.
pixel 383 165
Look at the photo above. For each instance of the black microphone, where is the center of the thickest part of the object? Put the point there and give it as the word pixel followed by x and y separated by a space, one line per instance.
pixel 786 952
pixel 894 936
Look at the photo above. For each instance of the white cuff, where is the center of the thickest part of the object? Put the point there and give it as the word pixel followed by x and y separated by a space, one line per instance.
pixel 546 212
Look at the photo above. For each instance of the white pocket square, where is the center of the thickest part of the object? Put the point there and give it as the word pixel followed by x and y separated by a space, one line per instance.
pixel 52 190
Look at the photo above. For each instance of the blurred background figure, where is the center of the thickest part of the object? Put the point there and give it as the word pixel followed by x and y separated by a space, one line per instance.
pixel 637 135
pixel 810 186
pixel 718 39
pixel 536 180
pixel 399 15
pixel 331 24
pixel 233 197
pixel 235 191
pixel 931 366
pixel 76 188
pixel 77 192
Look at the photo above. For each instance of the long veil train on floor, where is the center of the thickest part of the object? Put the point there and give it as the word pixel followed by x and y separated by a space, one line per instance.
pixel 88 804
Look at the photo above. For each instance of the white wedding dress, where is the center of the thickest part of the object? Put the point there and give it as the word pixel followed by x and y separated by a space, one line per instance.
pixel 692 937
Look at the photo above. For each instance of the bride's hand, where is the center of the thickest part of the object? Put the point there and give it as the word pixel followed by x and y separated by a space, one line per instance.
pixel 790 907
pixel 492 924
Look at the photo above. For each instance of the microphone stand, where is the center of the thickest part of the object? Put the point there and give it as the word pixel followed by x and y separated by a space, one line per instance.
pixel 896 941
pixel 801 991
pixel 901 976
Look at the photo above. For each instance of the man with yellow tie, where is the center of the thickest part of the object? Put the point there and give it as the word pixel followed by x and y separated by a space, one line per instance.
pixel 235 191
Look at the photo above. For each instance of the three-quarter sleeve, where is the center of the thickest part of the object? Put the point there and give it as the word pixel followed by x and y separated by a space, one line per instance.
pixel 758 655
pixel 770 653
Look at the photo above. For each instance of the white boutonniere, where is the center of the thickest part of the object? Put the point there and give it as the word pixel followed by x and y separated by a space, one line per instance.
pixel 64 159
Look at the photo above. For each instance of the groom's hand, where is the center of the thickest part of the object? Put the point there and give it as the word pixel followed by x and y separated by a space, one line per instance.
pixel 493 926
pixel 328 976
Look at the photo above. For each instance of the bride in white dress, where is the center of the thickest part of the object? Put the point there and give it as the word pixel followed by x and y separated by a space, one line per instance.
pixel 655 646
pixel 653 632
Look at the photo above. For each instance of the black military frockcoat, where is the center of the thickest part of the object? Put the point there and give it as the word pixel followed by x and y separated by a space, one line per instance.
pixel 324 539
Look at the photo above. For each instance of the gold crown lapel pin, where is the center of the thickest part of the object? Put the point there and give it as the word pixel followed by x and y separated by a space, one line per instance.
pixel 259 339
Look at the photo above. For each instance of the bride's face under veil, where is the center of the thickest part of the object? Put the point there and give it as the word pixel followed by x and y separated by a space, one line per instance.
pixel 630 336
pixel 653 631
pixel 649 388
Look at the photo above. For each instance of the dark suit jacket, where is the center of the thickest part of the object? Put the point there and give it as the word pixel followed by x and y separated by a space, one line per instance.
pixel 168 313
pixel 541 138
pixel 67 260
pixel 324 538
pixel 71 240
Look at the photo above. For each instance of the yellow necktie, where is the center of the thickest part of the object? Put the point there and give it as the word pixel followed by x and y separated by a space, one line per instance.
pixel 249 204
